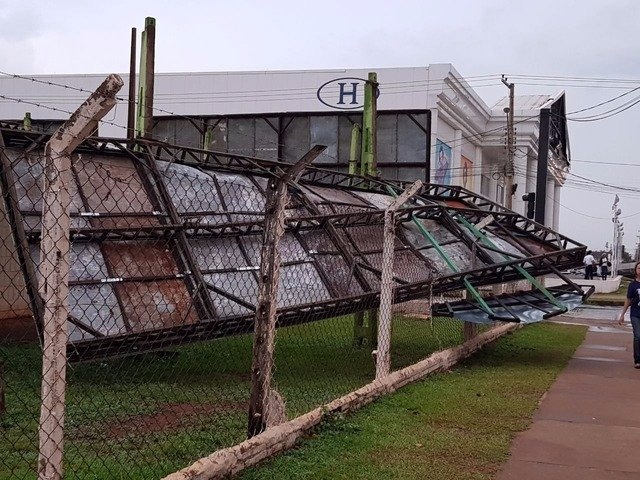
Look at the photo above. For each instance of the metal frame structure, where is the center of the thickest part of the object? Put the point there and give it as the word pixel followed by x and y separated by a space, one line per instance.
pixel 328 216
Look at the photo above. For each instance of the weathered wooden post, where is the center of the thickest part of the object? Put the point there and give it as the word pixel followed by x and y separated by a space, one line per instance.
pixel 383 358
pixel 54 270
pixel 265 318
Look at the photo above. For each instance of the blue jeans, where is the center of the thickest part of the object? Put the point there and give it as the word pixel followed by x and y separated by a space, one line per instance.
pixel 635 323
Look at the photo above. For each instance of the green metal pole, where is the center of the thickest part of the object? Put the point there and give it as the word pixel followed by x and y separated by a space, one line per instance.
pixel 354 152
pixel 368 165
pixel 146 80
pixel 26 121
pixel 365 324
pixel 208 138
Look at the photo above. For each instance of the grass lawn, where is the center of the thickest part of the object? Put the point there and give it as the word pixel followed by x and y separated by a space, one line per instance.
pixel 145 417
pixel 454 425
pixel 614 298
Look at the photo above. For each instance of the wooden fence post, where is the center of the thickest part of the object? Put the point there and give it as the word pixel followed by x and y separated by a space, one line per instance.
pixel 266 316
pixel 54 270
pixel 383 358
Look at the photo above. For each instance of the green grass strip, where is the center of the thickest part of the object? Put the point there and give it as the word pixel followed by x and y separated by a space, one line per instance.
pixel 454 425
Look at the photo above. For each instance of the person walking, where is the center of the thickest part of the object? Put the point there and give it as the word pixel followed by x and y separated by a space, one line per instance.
pixel 589 264
pixel 633 301
pixel 604 266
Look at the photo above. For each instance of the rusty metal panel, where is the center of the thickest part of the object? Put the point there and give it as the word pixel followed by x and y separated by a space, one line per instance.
pixel 156 304
pixel 538 248
pixel 128 259
pixel 152 302
pixel 111 185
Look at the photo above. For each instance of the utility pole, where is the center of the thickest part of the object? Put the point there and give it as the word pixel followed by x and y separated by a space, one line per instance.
pixel 131 111
pixel 508 171
pixel 617 237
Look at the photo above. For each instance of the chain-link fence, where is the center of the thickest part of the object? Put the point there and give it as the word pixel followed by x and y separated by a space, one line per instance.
pixel 163 287
pixel 159 304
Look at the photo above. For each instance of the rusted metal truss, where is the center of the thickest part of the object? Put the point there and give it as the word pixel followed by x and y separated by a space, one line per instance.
pixel 166 242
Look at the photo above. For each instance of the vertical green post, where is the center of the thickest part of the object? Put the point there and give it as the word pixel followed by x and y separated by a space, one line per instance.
pixel 146 79
pixel 26 121
pixel 142 81
pixel 208 138
pixel 369 161
pixel 354 151
pixel 365 326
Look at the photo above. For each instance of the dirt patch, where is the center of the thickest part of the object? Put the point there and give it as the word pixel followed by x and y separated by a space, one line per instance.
pixel 170 417
pixel 18 330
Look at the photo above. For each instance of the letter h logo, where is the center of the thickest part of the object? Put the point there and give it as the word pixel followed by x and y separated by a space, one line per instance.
pixel 348 93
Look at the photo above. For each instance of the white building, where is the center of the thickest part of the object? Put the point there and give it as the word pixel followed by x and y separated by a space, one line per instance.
pixel 432 122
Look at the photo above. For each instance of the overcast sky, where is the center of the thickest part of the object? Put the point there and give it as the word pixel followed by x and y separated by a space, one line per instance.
pixel 544 38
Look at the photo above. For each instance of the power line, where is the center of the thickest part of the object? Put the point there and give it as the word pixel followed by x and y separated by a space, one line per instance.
pixel 464 139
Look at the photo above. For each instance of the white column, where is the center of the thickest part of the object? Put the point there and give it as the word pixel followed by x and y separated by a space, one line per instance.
pixel 478 166
pixel 556 208
pixel 519 178
pixel 434 138
pixel 532 172
pixel 550 203
pixel 456 160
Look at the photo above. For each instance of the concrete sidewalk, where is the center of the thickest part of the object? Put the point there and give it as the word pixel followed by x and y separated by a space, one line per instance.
pixel 587 426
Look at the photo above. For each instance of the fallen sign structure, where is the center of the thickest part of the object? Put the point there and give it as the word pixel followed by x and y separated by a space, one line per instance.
pixel 165 245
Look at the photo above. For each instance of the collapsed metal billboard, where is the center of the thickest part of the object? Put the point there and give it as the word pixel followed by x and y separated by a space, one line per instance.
pixel 165 244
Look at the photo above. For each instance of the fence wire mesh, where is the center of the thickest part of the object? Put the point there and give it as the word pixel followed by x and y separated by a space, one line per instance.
pixel 162 294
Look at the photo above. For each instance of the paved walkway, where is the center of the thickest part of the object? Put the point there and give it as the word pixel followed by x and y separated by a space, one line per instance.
pixel 587 426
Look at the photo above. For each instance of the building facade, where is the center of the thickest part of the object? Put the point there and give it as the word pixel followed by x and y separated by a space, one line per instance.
pixel 431 125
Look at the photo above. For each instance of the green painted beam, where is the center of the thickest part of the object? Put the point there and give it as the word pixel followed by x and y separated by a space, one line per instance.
pixel 454 268
pixel 487 241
